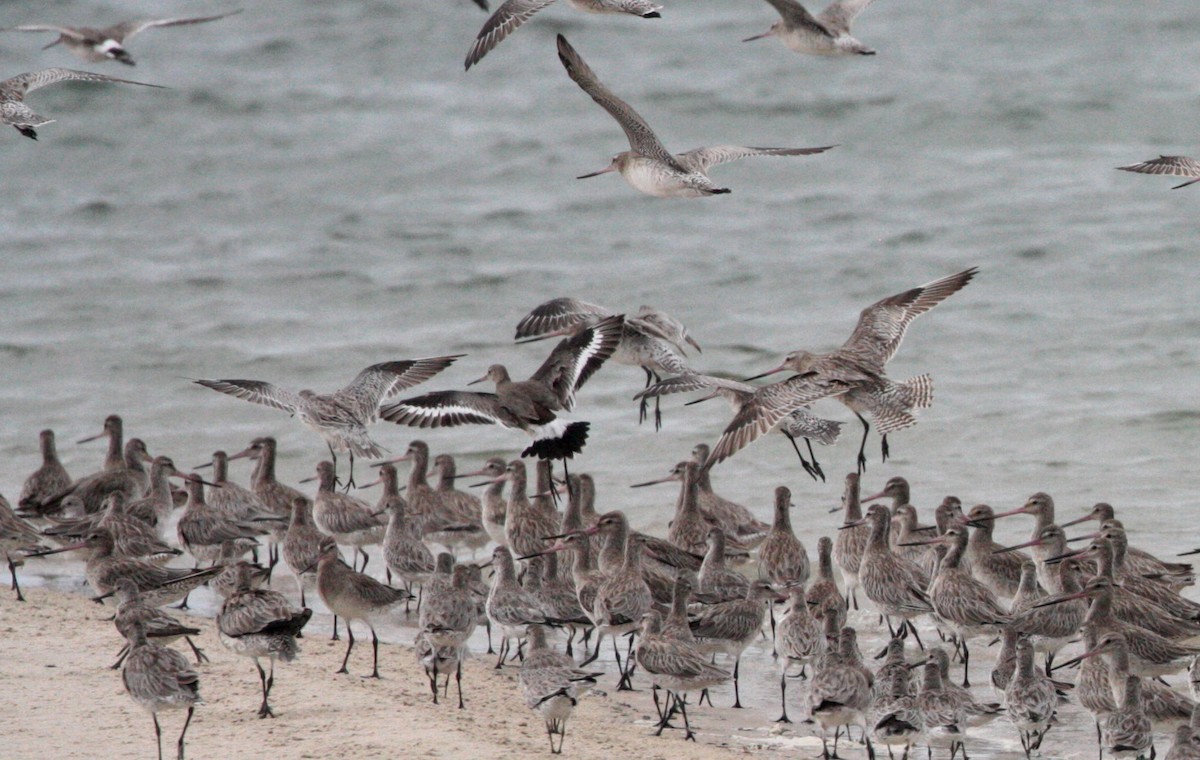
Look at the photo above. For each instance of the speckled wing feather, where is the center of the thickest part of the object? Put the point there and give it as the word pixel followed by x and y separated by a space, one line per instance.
pixel 380 381
pixel 881 326
pixel 767 407
pixel 735 390
pixel 502 23
pixel 260 611
pixel 66 31
pixel 795 15
pixel 23 83
pixel 659 324
pixel 577 358
pixel 1178 166
pixel 559 315
pixel 839 15
pixel 702 159
pixel 127 30
pixel 447 409
pixel 257 392
pixel 641 138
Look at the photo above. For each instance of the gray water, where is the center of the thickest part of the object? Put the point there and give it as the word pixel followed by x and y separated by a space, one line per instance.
pixel 323 188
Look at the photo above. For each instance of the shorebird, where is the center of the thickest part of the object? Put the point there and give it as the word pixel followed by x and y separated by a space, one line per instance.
pixel 852 538
pixel 404 552
pixel 1029 699
pixel 349 520
pixel 860 363
pixel 895 585
pixel 1186 745
pixel 647 166
pixel 782 557
pixel 738 522
pixel 999 571
pixel 653 339
pixel 623 596
pixel 495 506
pixel 1128 733
pixel 1177 575
pixel 301 545
pixel 510 608
pixel 840 694
pixel 157 679
pixel 898 718
pixel 158 585
pixel 465 510
pixel 447 619
pixel 132 537
pixel 129 478
pixel 715 579
pixel 352 595
pixel 160 626
pixel 209 535
pixel 961 601
pixel 17 539
pixel 528 405
pixel 552 685
pixel 675 665
pixel 799 423
pixel 341 417
pixel 1178 166
pixel 732 626
pixel 15 113
pixel 258 623
pixel 944 716
pixel 513 13
pixel 277 497
pixel 47 480
pixel 108 44
pixel 799 639
pixel 824 587
pixel 827 33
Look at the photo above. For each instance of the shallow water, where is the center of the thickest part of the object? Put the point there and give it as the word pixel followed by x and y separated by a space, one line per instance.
pixel 324 188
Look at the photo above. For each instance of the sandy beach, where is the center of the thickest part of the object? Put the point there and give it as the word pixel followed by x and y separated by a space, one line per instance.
pixel 63 701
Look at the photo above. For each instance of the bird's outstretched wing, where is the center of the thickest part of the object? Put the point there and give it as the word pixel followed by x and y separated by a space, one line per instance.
pixel 881 325
pixel 577 358
pixel 381 381
pixel 641 138
pixel 763 411
pixel 127 30
pixel 840 15
pixel 500 24
pixel 702 159
pixel 33 80
pixel 256 391
pixel 447 409
pixel 559 316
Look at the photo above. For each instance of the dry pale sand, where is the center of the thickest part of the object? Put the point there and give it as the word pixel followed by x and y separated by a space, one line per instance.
pixel 61 700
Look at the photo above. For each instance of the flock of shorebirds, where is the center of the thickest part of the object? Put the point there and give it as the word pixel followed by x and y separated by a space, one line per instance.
pixel 682 599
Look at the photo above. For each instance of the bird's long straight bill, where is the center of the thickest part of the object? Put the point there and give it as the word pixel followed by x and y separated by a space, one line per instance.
pixel 59 550
pixel 1057 558
pixel 654 482
pixel 1061 599
pixel 764 374
pixel 605 170
pixel 1026 545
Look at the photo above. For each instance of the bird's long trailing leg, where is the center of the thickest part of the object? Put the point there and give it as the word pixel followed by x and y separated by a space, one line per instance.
pixel 862 446
pixel 186 723
pixel 815 464
pixel 350 637
pixel 803 462
pixel 883 447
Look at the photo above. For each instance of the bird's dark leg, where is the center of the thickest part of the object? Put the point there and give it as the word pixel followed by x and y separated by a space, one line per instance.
pixel 375 648
pixel 433 679
pixel 862 446
pixel 350 483
pixel 783 698
pixel 657 402
pixel 157 734
pixel 803 462
pixel 12 569
pixel 264 710
pixel 682 702
pixel 197 652
pixel 916 635
pixel 966 663
pixel 120 657
pixel 335 636
pixel 883 447
pixel 186 723
pixel 737 697
pixel 503 653
pixel 644 405
pixel 815 464
pixel 457 682
pixel 350 637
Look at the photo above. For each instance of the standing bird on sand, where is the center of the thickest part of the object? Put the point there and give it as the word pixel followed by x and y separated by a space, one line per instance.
pixel 17 538
pixel 513 13
pixel 341 417
pixel 158 678
pixel 16 114
pixel 528 405
pixel 260 623
pixel 552 685
pixel 1179 166
pixel 653 339
pixel 861 362
pixel 47 480
pixel 354 596
pixel 827 33
pixel 108 44
pixel 647 166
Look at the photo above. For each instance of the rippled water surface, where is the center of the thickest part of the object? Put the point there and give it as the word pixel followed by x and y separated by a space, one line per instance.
pixel 323 188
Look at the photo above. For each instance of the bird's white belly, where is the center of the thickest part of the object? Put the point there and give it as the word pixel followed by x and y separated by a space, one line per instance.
pixel 652 178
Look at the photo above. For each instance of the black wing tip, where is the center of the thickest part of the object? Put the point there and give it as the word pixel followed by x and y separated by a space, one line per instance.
pixel 652 14
pixel 565 446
